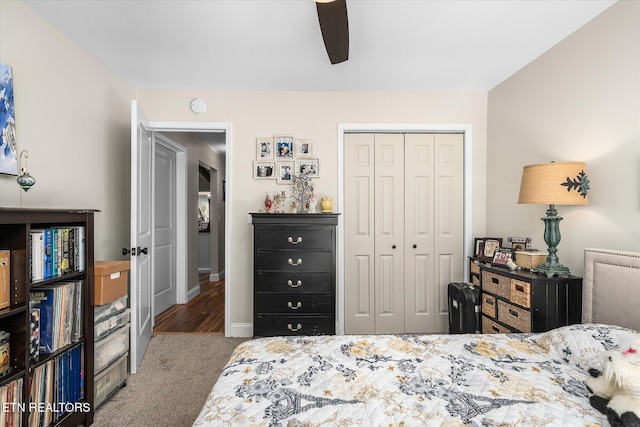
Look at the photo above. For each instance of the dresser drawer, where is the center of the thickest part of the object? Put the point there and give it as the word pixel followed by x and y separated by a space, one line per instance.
pixel 293 325
pixel 520 293
pixel 491 327
pixel 515 317
pixel 294 261
pixel 496 284
pixel 489 305
pixel 299 303
pixel 294 238
pixel 294 282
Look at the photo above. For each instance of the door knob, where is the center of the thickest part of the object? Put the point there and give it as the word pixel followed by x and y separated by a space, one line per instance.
pixel 415 246
pixel 393 247
pixel 125 251
pixel 142 250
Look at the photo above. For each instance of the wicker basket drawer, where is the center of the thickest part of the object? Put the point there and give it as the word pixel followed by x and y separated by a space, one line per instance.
pixel 520 293
pixel 491 327
pixel 489 305
pixel 515 317
pixel 496 284
pixel 474 267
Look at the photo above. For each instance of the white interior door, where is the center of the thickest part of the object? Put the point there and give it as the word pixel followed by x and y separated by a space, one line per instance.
pixel 141 235
pixel 389 233
pixel 404 232
pixel 359 243
pixel 164 253
pixel 419 243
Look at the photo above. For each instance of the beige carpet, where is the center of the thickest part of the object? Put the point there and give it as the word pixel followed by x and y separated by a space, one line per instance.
pixel 174 379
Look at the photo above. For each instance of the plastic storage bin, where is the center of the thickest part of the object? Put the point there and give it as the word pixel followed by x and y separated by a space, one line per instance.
pixel 110 324
pixel 109 309
pixel 110 380
pixel 111 348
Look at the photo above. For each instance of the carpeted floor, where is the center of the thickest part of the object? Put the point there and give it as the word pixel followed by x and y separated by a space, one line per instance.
pixel 174 379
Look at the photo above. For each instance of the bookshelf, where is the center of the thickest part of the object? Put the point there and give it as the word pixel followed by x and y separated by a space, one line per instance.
pixel 54 385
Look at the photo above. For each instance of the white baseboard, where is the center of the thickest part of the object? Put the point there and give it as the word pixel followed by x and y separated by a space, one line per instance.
pixel 216 277
pixel 203 270
pixel 193 292
pixel 239 330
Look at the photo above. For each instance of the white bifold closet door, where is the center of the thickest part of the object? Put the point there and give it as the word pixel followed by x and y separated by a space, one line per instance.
pixel 403 218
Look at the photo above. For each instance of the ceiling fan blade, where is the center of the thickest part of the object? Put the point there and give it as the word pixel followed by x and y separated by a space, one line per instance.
pixel 334 26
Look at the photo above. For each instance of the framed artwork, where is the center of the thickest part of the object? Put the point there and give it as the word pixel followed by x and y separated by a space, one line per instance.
pixel 284 172
pixel 264 170
pixel 519 243
pixel 8 148
pixel 264 148
pixel 203 211
pixel 502 256
pixel 283 147
pixel 309 167
pixel 302 148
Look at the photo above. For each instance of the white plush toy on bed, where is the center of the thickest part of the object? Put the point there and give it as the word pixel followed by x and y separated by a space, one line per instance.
pixel 616 389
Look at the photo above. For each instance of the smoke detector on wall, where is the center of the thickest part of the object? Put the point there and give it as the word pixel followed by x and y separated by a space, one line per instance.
pixel 198 106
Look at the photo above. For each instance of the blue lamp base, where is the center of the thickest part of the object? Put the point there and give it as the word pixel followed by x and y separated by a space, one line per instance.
pixel 552 238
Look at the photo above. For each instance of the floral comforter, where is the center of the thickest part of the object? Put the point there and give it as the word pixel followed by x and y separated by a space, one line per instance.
pixel 439 380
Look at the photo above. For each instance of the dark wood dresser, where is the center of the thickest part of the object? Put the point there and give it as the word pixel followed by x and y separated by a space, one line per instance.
pixel 523 301
pixel 294 279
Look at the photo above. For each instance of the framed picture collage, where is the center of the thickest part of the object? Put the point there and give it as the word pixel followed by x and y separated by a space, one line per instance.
pixel 281 157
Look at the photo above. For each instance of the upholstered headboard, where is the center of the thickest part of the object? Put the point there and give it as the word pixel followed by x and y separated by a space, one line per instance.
pixel 611 288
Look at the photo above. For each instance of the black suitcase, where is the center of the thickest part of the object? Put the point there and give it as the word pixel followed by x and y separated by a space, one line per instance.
pixel 464 308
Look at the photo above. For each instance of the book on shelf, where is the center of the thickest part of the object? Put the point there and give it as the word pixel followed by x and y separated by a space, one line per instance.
pixel 5 354
pixel 34 333
pixel 56 251
pixel 60 314
pixel 5 278
pixel 11 403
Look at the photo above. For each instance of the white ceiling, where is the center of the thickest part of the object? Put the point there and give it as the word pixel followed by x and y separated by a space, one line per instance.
pixel 400 45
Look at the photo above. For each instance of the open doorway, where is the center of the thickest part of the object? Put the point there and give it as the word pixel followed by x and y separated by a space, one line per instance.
pixel 203 309
pixel 201 295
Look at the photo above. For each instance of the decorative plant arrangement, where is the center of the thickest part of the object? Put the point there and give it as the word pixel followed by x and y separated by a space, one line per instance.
pixel 305 200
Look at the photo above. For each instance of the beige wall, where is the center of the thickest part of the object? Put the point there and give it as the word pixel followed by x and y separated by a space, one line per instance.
pixel 579 101
pixel 73 116
pixel 312 115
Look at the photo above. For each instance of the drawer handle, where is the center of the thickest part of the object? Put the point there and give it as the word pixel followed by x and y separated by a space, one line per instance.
pixel 298 283
pixel 298 240
pixel 299 326
pixel 495 280
pixel 513 313
pixel 290 305
pixel 519 288
pixel 488 302
pixel 290 261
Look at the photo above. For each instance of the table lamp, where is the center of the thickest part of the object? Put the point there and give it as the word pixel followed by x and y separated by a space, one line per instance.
pixel 562 183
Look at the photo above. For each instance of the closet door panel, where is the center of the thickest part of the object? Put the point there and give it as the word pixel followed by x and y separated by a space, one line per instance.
pixel 359 238
pixel 389 233
pixel 420 307
pixel 449 219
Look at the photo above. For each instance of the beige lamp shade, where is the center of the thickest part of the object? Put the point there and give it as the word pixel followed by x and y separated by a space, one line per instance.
pixel 562 183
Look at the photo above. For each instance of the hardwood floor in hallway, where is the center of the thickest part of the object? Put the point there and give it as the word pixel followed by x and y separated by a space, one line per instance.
pixel 203 314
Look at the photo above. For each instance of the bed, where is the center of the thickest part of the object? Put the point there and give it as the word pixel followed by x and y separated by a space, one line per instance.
pixel 440 380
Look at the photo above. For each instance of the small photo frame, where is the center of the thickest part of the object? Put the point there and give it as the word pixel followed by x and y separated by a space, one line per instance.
pixel 502 256
pixel 284 172
pixel 264 148
pixel 485 247
pixel 309 167
pixel 264 170
pixel 302 148
pixel 519 243
pixel 283 145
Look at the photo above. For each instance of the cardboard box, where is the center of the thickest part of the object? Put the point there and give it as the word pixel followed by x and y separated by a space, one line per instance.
pixel 530 259
pixel 110 280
